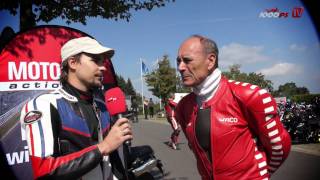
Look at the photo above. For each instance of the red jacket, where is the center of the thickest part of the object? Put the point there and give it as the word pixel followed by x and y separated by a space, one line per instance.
pixel 248 140
pixel 169 108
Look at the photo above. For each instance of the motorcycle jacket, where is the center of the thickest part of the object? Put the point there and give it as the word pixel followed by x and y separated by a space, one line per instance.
pixel 169 108
pixel 62 130
pixel 247 139
pixel 170 112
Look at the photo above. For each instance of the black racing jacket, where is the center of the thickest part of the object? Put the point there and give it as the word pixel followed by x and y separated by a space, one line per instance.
pixel 62 129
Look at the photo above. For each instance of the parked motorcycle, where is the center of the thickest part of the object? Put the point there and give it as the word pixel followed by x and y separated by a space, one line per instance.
pixel 132 115
pixel 141 162
pixel 302 125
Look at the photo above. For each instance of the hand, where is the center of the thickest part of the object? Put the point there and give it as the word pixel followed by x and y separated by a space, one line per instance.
pixel 120 132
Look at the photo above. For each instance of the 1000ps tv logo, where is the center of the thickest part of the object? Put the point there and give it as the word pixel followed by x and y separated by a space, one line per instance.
pixel 296 12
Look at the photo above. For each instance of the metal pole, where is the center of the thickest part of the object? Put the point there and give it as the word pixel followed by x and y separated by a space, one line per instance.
pixel 141 86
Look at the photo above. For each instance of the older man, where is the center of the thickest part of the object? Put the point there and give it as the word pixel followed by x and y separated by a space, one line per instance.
pixel 232 127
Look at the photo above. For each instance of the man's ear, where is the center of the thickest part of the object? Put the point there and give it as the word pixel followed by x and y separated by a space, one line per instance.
pixel 72 63
pixel 212 61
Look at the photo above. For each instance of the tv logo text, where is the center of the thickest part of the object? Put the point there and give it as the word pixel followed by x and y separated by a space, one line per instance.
pixel 276 13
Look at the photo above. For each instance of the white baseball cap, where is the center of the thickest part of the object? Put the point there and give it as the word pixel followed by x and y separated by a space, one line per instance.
pixel 83 44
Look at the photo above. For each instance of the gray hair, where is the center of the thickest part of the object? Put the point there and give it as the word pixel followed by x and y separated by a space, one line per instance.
pixel 209 46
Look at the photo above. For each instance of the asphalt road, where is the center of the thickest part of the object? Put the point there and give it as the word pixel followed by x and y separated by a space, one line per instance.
pixel 178 164
pixel 302 163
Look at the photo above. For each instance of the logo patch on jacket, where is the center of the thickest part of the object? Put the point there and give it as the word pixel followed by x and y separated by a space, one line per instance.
pixel 229 119
pixel 32 116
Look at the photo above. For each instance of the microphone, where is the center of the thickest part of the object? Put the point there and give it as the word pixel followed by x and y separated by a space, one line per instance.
pixel 115 102
pixel 116 105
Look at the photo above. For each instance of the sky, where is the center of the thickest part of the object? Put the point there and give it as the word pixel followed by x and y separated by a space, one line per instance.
pixel 284 49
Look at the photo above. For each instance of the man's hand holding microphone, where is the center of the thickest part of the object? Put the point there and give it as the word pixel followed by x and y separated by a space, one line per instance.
pixel 121 130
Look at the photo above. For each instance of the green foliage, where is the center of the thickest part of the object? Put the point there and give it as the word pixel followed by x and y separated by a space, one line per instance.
pixel 290 89
pixel 138 100
pixel 121 83
pixel 129 88
pixel 162 81
pixel 253 78
pixel 76 11
pixel 308 98
pixel 126 86
pixel 181 88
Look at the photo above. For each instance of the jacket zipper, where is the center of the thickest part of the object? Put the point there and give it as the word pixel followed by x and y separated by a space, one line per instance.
pixel 197 143
pixel 98 114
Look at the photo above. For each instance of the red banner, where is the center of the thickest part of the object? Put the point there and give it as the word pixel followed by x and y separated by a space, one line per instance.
pixel 31 61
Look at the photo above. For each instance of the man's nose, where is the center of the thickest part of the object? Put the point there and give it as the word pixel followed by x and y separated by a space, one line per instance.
pixel 181 66
pixel 102 68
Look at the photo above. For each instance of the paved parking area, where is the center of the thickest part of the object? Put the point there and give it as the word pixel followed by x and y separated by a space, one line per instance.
pixel 313 149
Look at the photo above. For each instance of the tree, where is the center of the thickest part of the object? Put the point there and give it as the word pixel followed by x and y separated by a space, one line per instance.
pixel 290 89
pixel 130 89
pixel 181 88
pixel 33 11
pixel 126 86
pixel 6 35
pixel 121 83
pixel 259 80
pixel 253 78
pixel 162 81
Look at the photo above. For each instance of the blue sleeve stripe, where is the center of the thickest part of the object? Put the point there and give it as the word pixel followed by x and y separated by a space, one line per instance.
pixel 40 130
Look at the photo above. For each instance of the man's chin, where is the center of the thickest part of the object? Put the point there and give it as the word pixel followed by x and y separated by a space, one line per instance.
pixel 187 84
pixel 96 85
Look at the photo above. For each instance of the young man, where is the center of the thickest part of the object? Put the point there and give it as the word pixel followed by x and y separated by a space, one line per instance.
pixel 232 127
pixel 170 108
pixel 68 131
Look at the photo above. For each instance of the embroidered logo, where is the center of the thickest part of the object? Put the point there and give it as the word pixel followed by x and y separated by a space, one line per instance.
pixel 229 119
pixel 32 116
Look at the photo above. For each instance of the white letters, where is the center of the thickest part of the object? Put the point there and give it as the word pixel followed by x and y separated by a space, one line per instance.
pixel 273 14
pixel 15 158
pixel 33 70
pixel 54 67
pixel 18 157
pixel 44 64
pixel 229 119
pixel 12 70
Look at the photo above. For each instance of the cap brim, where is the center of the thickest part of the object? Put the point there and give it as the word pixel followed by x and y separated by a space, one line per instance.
pixel 100 50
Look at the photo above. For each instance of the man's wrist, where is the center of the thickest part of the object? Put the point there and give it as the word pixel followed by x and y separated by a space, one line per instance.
pixel 103 148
